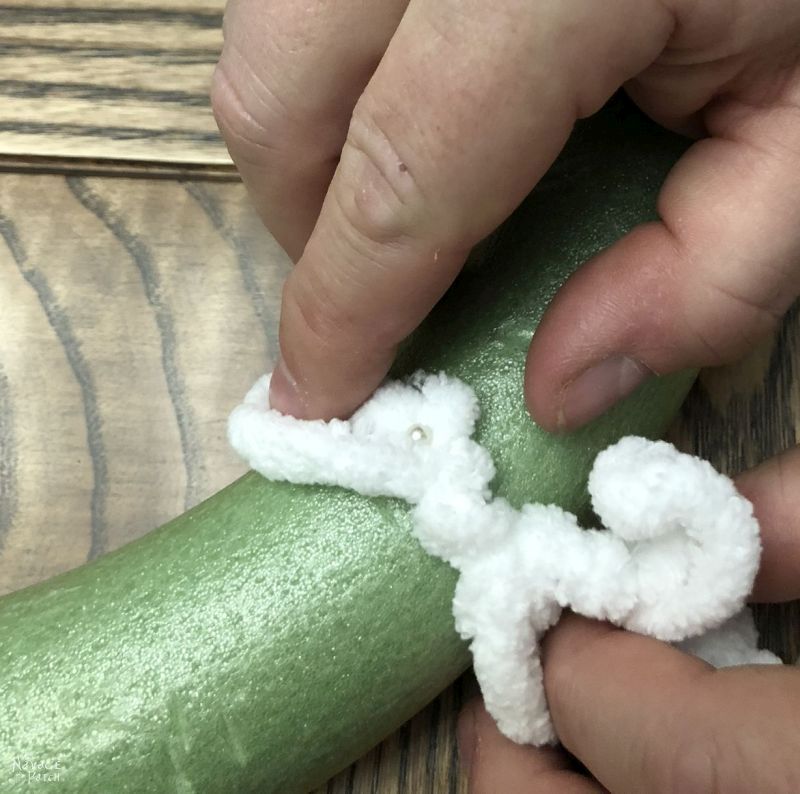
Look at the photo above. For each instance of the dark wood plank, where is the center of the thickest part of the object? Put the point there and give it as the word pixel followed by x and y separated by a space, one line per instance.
pixel 88 166
pixel 124 80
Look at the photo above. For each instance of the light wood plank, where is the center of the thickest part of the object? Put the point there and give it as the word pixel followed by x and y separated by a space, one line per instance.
pixel 125 80
pixel 108 297
pixel 134 315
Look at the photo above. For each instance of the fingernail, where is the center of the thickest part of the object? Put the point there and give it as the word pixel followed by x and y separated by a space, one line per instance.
pixel 284 395
pixel 598 388
pixel 467 735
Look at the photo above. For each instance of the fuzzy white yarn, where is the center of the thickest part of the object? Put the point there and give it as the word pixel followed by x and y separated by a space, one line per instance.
pixel 679 556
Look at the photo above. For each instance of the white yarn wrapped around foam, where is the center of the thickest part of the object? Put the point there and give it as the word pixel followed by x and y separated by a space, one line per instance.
pixel 678 557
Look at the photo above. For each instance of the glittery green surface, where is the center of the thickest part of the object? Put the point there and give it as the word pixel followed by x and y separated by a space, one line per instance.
pixel 268 637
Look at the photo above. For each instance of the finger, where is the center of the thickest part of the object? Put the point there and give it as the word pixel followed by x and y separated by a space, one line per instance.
pixel 494 763
pixel 283 91
pixel 774 489
pixel 697 289
pixel 642 716
pixel 452 131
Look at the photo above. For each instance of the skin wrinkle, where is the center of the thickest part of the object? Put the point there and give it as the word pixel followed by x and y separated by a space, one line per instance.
pixel 762 320
pixel 442 29
pixel 768 317
pixel 773 88
pixel 269 100
pixel 323 326
pixel 402 259
pixel 665 100
pixel 232 113
pixel 715 354
pixel 316 322
pixel 288 52
pixel 315 88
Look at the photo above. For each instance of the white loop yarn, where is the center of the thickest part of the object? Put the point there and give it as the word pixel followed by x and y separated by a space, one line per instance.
pixel 678 556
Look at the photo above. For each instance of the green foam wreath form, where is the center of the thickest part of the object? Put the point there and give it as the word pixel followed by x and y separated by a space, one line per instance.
pixel 270 636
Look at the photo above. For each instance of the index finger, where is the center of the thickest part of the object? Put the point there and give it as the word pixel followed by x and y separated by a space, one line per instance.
pixel 469 106
pixel 642 716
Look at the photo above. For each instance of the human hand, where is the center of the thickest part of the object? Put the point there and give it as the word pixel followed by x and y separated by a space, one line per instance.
pixel 642 716
pixel 381 140
pixel 446 114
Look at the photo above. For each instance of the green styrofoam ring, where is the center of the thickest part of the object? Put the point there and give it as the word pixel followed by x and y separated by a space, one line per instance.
pixel 268 637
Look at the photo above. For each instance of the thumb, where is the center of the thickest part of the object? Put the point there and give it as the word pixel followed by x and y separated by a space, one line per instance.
pixel 697 289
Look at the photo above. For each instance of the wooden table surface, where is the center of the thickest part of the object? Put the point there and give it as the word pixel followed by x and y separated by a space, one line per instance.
pixel 139 299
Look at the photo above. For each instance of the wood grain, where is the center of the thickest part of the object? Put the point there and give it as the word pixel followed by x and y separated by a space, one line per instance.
pixel 103 287
pixel 124 80
pixel 135 313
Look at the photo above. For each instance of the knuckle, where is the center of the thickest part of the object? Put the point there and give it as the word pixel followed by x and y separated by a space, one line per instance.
pixel 256 131
pixel 264 130
pixel 237 122
pixel 377 195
